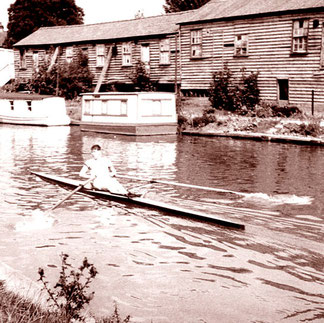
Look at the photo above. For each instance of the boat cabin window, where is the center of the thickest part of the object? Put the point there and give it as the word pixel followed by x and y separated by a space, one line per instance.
pixel 29 105
pixel 12 105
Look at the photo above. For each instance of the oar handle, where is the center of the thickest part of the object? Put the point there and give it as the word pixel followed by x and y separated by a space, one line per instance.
pixel 70 194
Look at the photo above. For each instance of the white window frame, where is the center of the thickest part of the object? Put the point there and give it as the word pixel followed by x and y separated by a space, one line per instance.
pixel 36 60
pixel 22 59
pixel 299 44
pixel 100 55
pixel 241 45
pixel 69 54
pixel 196 43
pixel 165 51
pixel 126 54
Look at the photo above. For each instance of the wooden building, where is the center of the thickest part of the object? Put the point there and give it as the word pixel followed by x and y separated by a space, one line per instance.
pixel 283 40
pixel 113 49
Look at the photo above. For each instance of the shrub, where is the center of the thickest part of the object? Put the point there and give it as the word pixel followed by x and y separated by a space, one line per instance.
pixel 70 292
pixel 141 78
pixel 224 94
pixel 249 91
pixel 203 120
pixel 64 79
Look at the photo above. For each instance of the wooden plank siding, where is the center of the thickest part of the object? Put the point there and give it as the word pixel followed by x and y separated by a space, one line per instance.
pixel 269 53
pixel 117 73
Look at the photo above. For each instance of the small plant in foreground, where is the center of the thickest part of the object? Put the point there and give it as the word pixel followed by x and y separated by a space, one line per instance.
pixel 70 292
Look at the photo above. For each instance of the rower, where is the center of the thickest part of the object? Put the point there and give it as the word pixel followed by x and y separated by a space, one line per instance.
pixel 103 174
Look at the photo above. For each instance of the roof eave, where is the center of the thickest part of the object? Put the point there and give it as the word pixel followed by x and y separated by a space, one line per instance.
pixel 266 14
pixel 110 40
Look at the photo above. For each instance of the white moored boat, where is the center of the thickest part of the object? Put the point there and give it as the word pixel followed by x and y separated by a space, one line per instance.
pixel 33 109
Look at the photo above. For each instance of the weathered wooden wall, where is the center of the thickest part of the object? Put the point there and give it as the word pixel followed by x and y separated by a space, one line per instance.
pixel 269 53
pixel 162 73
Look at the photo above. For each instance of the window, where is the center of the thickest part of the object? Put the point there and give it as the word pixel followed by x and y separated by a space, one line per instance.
pixel 12 107
pixel 29 105
pixel 100 55
pixel 300 36
pixel 36 60
pixel 106 107
pixel 22 58
pixel 165 51
pixel 196 43
pixel 69 54
pixel 127 54
pixel 241 45
pixel 283 87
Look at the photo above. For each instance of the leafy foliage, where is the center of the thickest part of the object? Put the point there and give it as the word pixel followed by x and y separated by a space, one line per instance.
pixel 183 5
pixel 225 94
pixel 69 295
pixel 64 79
pixel 222 93
pixel 25 17
pixel 141 78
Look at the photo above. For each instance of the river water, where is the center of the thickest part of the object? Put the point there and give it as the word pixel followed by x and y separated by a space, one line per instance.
pixel 162 268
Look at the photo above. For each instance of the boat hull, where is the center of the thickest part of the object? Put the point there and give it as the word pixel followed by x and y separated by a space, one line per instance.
pixel 143 202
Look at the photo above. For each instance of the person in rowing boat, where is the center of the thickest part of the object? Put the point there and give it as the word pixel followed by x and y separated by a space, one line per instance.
pixel 103 173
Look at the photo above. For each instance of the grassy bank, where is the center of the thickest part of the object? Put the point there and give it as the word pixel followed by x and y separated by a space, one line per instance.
pixel 17 309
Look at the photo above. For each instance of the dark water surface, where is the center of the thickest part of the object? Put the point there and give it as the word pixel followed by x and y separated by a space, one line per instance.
pixel 162 268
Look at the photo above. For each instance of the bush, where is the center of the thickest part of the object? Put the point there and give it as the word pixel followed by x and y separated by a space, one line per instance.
pixel 224 94
pixel 70 292
pixel 204 120
pixel 64 79
pixel 141 78
pixel 305 129
pixel 249 92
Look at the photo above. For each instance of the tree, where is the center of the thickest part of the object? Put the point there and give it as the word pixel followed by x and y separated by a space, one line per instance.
pixel 26 16
pixel 67 79
pixel 183 5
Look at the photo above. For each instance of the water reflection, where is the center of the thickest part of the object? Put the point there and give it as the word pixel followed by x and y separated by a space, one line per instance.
pixel 163 268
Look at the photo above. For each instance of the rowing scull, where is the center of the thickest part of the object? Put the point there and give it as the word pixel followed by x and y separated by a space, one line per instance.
pixel 144 202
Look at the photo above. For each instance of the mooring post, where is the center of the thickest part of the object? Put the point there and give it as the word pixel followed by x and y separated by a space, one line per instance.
pixel 312 102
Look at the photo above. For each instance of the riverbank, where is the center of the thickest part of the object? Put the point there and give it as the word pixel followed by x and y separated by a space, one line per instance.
pixel 307 131
pixel 201 120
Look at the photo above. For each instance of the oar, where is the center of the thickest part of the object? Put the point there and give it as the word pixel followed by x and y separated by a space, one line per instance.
pixel 70 194
pixel 182 184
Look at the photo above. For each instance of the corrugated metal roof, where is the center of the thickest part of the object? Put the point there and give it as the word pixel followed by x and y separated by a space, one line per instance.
pixel 220 9
pixel 156 25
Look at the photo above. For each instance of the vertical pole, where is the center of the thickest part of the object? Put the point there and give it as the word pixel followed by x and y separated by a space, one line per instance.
pixel 312 102
pixel 176 67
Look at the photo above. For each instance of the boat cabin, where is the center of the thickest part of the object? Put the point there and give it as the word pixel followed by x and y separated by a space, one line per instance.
pixel 33 109
pixel 129 113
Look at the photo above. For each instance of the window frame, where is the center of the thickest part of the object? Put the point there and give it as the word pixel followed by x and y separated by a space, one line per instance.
pixel 165 53
pixel 69 52
pixel 22 59
pixel 127 54
pixel 196 39
pixel 100 55
pixel 299 36
pixel 241 45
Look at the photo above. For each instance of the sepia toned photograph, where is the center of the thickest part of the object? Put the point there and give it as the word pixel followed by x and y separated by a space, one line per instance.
pixel 162 161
